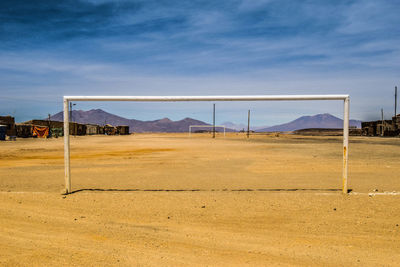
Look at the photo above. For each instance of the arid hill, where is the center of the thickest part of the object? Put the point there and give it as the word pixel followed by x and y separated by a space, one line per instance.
pixel 98 116
pixel 326 120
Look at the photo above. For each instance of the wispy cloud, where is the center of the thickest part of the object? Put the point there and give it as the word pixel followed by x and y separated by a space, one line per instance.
pixel 52 48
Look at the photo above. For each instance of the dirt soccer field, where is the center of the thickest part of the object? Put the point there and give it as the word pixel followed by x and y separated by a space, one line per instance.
pixel 168 200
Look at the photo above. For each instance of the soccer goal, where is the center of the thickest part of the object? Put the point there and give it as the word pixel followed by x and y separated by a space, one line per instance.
pixel 344 98
pixel 206 126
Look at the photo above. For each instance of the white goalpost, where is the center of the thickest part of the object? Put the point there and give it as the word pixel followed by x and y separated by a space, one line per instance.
pixel 206 126
pixel 344 98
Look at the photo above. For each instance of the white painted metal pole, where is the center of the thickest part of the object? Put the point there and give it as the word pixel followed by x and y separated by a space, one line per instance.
pixel 345 143
pixel 66 149
pixel 224 131
pixel 206 98
pixel 190 131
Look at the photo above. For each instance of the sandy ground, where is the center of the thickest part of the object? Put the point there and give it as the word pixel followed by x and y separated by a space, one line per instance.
pixel 166 199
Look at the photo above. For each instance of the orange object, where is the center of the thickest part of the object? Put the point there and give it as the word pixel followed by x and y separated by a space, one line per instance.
pixel 40 131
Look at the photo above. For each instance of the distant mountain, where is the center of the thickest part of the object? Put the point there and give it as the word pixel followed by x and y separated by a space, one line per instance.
pixel 317 121
pixel 95 116
pixel 237 127
pixel 241 126
pixel 98 116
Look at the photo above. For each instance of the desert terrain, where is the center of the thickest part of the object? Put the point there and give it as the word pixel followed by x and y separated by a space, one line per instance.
pixel 171 200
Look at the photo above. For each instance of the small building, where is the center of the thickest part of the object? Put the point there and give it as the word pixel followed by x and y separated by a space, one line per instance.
pixel 3 130
pixel 381 128
pixel 9 122
pixel 78 129
pixel 123 129
pixel 92 129
pixel 74 127
pixel 23 130
pixel 110 130
pixel 396 122
pixel 48 123
pixel 57 132
pixel 101 130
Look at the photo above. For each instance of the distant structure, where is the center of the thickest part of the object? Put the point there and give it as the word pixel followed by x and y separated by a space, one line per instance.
pixel 49 128
pixel 9 122
pixel 123 130
pixel 383 127
pixel 92 129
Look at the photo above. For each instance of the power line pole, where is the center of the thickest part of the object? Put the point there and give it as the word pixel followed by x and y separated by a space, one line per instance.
pixel 214 121
pixel 395 108
pixel 395 101
pixel 248 124
pixel 70 111
pixel 70 116
pixel 383 127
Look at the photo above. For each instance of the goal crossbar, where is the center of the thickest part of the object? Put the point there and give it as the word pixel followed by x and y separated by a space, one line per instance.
pixel 344 98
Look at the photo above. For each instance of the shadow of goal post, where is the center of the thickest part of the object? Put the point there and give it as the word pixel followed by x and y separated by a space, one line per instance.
pixel 344 98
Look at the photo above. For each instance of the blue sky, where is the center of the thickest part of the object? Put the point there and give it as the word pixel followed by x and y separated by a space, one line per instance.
pixel 53 48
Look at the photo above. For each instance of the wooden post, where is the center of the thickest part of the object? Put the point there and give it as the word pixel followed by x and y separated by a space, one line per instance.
pixel 383 125
pixel 395 107
pixel 248 124
pixel 214 122
pixel 395 101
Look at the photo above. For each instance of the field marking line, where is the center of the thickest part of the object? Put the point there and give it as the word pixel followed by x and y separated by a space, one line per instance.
pixel 393 193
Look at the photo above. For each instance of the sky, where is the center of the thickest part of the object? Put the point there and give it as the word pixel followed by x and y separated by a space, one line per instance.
pixel 115 47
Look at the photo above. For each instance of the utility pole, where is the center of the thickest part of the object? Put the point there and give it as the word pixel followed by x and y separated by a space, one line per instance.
pixel 248 124
pixel 395 108
pixel 70 111
pixel 383 126
pixel 214 121
pixel 395 101
pixel 70 115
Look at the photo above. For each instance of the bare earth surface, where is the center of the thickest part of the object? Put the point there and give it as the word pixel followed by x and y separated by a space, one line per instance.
pixel 168 200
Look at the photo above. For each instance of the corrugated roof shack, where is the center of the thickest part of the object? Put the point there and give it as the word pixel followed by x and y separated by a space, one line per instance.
pixel 368 128
pixel 74 128
pixel 123 129
pixel 50 124
pixel 55 127
pixel 101 129
pixel 379 128
pixel 77 129
pixel 92 129
pixel 3 129
pixel 10 123
pixel 110 130
pixel 396 122
pixel 24 130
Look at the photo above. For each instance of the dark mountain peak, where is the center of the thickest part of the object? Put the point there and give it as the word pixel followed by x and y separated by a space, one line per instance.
pixel 192 121
pixel 164 120
pixel 324 115
pixel 324 120
pixel 318 117
pixel 97 110
pixel 101 117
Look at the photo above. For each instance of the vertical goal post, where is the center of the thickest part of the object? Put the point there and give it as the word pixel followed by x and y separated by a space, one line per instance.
pixel 344 98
